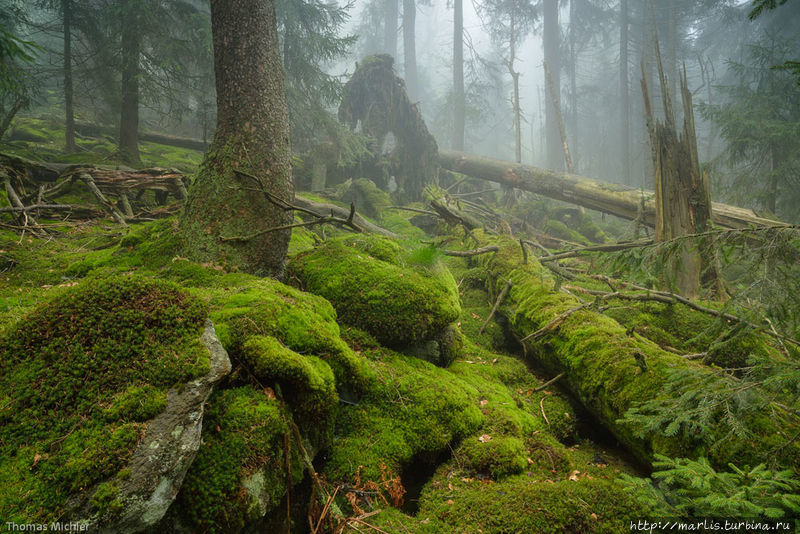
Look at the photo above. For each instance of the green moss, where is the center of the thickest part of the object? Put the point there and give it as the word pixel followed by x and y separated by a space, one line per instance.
pixel 498 456
pixel 76 372
pixel 137 403
pixel 244 432
pixel 397 305
pixel 560 230
pixel 105 500
pixel 523 504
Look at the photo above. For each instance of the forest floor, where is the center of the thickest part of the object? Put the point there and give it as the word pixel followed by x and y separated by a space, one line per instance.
pixel 389 385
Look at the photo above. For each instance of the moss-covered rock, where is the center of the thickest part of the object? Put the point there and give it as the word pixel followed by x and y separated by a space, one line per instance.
pixel 498 456
pixel 369 288
pixel 239 474
pixel 82 375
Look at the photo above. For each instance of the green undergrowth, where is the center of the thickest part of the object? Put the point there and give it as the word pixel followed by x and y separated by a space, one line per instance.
pixel 79 374
pixel 43 140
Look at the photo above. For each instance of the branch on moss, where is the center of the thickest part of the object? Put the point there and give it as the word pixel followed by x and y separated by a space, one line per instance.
pixel 497 303
pixel 613 247
pixel 469 253
pixel 321 220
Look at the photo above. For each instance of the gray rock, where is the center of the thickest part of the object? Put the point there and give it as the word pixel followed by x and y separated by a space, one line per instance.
pixel 163 456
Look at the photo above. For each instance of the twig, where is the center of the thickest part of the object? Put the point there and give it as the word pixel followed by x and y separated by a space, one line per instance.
pixel 325 509
pixel 541 407
pixel 548 383
pixel 554 323
pixel 89 181
pixel 497 303
pixel 597 248
pixel 414 210
pixel 468 253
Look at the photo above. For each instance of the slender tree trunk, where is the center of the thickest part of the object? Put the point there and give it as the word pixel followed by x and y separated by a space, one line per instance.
pixel 552 37
pixel 459 104
pixel 624 118
pixel 512 45
pixel 573 82
pixel 672 44
pixel 770 202
pixel 390 27
pixel 233 209
pixel 410 48
pixel 66 8
pixel 129 113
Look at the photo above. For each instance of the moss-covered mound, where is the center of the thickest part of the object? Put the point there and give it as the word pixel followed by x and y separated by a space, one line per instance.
pixel 239 473
pixel 364 279
pixel 78 377
pixel 302 322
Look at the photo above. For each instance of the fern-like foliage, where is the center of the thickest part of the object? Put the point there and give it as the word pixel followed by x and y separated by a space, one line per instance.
pixel 693 488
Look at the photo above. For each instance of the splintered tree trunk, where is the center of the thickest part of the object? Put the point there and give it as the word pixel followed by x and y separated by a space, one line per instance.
pixel 410 48
pixel 559 120
pixel 551 37
pixel 683 200
pixel 459 104
pixel 246 173
pixel 129 113
pixel 66 8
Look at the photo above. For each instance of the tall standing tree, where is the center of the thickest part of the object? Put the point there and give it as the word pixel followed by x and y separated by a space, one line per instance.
pixel 551 37
pixel 624 106
pixel 509 22
pixel 129 110
pixel 237 199
pixel 66 13
pixel 390 16
pixel 459 100
pixel 410 48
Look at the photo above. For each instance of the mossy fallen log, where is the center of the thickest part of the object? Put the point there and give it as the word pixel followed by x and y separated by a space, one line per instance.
pixel 619 200
pixel 610 372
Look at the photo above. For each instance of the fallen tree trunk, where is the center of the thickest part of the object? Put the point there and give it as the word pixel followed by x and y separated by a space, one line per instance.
pixel 614 199
pixel 610 372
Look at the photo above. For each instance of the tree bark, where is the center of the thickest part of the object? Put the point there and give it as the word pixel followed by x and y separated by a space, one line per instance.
pixel 390 27
pixel 69 135
pixel 129 112
pixel 410 48
pixel 614 199
pixel 551 35
pixel 246 175
pixel 624 117
pixel 459 101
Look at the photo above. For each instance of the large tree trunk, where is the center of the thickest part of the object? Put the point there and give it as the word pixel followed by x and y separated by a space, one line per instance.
pixel 551 36
pixel 410 48
pixel 573 82
pixel 459 101
pixel 129 113
pixel 69 136
pixel 614 199
pixel 246 173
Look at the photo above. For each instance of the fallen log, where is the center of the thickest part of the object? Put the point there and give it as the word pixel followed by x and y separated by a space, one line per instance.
pixel 614 199
pixel 610 372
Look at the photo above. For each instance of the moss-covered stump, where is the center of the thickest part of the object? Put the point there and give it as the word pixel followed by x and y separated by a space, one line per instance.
pixel 101 403
pixel 611 372
pixel 365 278
pixel 239 475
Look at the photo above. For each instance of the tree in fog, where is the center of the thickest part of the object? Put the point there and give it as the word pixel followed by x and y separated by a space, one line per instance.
pixel 245 178
pixel 508 23
pixel 459 104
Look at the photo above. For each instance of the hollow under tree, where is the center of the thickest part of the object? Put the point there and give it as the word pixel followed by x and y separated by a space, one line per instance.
pixel 246 174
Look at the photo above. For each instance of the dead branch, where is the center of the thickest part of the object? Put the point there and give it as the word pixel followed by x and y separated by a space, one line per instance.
pixel 89 181
pixel 469 253
pixel 613 247
pixel 497 303
pixel 549 382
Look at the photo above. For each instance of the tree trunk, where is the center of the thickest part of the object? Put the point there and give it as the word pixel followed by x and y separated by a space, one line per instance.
pixel 551 36
pixel 410 48
pixel 614 199
pixel 246 173
pixel 624 118
pixel 69 136
pixel 390 27
pixel 459 101
pixel 573 82
pixel 129 113
pixel 512 44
